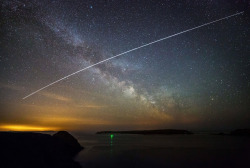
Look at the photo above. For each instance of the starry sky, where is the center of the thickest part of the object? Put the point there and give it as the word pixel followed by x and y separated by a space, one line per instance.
pixel 198 80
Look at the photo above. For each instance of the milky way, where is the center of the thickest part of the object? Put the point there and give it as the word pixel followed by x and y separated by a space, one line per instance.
pixel 176 34
pixel 196 80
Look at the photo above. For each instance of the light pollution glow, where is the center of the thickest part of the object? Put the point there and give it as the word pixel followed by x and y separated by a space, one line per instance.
pixel 26 128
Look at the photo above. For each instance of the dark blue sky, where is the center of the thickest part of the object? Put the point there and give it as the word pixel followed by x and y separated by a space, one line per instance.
pixel 197 80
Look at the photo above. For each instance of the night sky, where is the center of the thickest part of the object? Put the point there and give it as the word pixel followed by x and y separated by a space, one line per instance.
pixel 197 80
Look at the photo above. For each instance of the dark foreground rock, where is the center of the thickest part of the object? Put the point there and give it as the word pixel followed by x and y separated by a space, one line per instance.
pixel 148 132
pixel 241 132
pixel 36 150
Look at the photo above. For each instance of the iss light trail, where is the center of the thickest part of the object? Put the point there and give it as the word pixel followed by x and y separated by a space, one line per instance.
pixel 118 55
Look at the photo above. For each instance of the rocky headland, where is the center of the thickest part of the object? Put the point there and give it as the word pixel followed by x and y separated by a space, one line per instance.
pixel 29 150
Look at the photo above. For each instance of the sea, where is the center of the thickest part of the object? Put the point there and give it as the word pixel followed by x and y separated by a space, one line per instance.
pixel 163 151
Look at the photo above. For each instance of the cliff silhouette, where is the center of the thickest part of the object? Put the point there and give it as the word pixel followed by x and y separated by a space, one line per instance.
pixel 37 150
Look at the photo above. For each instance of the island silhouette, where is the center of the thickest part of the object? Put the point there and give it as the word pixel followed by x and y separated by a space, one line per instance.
pixel 148 132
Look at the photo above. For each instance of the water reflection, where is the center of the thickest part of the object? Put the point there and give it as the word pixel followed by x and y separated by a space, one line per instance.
pixel 111 143
pixel 163 151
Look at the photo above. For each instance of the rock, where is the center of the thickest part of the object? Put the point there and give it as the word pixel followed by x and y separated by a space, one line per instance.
pixel 28 150
pixel 70 144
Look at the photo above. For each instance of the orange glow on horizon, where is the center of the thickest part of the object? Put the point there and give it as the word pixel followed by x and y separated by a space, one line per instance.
pixel 26 128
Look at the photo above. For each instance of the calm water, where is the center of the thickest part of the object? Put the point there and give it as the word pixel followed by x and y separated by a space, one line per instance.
pixel 171 151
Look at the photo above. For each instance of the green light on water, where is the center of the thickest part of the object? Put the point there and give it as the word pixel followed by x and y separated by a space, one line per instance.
pixel 111 136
